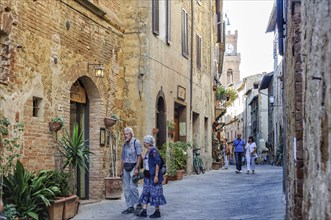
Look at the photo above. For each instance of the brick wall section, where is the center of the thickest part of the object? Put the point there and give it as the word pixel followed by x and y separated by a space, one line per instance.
pixel 294 110
pixel 39 29
pixel 316 37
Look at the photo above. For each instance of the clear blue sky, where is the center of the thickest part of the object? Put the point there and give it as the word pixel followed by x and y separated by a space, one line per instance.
pixel 250 18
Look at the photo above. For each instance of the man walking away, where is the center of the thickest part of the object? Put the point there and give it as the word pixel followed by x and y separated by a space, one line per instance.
pixel 239 146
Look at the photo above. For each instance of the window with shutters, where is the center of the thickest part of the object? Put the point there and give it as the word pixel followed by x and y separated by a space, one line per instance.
pixel 155 17
pixel 168 21
pixel 185 51
pixel 198 51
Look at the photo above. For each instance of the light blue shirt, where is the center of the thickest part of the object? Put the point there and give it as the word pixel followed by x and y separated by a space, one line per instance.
pixel 130 153
pixel 239 145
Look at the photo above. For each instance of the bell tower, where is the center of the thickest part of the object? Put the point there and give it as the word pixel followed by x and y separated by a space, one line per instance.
pixel 231 73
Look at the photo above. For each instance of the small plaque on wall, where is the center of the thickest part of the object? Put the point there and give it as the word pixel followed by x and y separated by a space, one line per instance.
pixel 182 128
pixel 181 93
pixel 102 136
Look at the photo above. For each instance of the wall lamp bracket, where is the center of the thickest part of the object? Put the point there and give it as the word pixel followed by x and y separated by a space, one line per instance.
pixel 98 69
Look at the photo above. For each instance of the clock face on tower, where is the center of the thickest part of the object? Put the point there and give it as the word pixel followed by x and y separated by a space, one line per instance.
pixel 229 49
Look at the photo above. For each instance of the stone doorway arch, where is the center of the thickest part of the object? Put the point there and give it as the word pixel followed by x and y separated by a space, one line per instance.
pixel 161 119
pixel 86 109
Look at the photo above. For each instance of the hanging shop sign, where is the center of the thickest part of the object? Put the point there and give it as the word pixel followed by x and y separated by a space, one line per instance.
pixel 77 93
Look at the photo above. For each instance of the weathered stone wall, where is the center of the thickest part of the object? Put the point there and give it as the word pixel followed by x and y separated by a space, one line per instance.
pixel 316 55
pixel 153 66
pixel 47 48
pixel 294 111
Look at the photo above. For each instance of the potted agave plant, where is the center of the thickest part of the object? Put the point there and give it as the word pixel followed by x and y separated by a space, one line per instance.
pixel 76 155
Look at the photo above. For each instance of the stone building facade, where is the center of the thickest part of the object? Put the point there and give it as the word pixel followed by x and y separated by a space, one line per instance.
pixel 153 67
pixel 169 53
pixel 46 49
pixel 307 85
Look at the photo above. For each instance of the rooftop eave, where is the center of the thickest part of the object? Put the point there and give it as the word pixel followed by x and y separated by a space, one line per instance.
pixel 272 20
pixel 266 80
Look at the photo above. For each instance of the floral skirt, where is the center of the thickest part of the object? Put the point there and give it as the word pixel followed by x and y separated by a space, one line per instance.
pixel 152 193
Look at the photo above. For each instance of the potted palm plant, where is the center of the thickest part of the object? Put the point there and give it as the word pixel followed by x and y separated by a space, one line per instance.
pixel 76 155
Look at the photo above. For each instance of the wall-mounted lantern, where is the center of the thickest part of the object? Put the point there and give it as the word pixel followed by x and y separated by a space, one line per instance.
pixel 99 73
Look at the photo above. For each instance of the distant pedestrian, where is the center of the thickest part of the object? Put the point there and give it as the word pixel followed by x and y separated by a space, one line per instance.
pixel 131 159
pixel 239 145
pixel 226 149
pixel 250 150
pixel 152 190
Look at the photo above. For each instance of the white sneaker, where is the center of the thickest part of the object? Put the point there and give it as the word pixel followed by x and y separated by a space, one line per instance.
pixel 240 171
pixel 237 171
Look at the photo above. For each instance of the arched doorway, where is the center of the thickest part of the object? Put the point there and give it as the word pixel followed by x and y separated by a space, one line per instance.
pixel 86 108
pixel 161 120
pixel 79 113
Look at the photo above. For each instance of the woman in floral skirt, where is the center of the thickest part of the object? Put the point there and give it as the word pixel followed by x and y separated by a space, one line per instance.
pixel 152 190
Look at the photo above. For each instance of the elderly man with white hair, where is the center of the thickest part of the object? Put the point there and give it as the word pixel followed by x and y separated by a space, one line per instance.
pixel 131 159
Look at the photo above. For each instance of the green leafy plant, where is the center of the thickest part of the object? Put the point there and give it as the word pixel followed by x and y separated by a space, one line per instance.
pixel 221 93
pixel 114 116
pixel 76 153
pixel 10 142
pixel 58 120
pixel 232 95
pixel 178 156
pixel 170 126
pixel 10 211
pixel 58 179
pixel 163 152
pixel 28 192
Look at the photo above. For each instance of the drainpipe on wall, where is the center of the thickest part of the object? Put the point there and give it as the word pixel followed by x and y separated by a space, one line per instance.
pixel 191 64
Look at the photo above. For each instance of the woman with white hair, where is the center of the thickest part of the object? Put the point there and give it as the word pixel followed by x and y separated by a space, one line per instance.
pixel 152 190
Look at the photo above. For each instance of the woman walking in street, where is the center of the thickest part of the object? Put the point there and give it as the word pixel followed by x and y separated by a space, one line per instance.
pixel 152 192
pixel 250 149
pixel 226 153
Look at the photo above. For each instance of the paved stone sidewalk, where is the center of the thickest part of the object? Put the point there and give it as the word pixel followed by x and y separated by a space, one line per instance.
pixel 220 194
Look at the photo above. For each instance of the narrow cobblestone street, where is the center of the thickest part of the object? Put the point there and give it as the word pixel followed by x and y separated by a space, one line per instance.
pixel 218 194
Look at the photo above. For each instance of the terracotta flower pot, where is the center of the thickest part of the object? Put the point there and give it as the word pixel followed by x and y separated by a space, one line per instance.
pixel 55 126
pixel 216 165
pixel 180 174
pixel 172 178
pixel 113 187
pixel 110 122
pixel 55 211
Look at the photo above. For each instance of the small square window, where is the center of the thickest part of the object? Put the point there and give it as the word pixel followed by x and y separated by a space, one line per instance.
pixel 36 111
